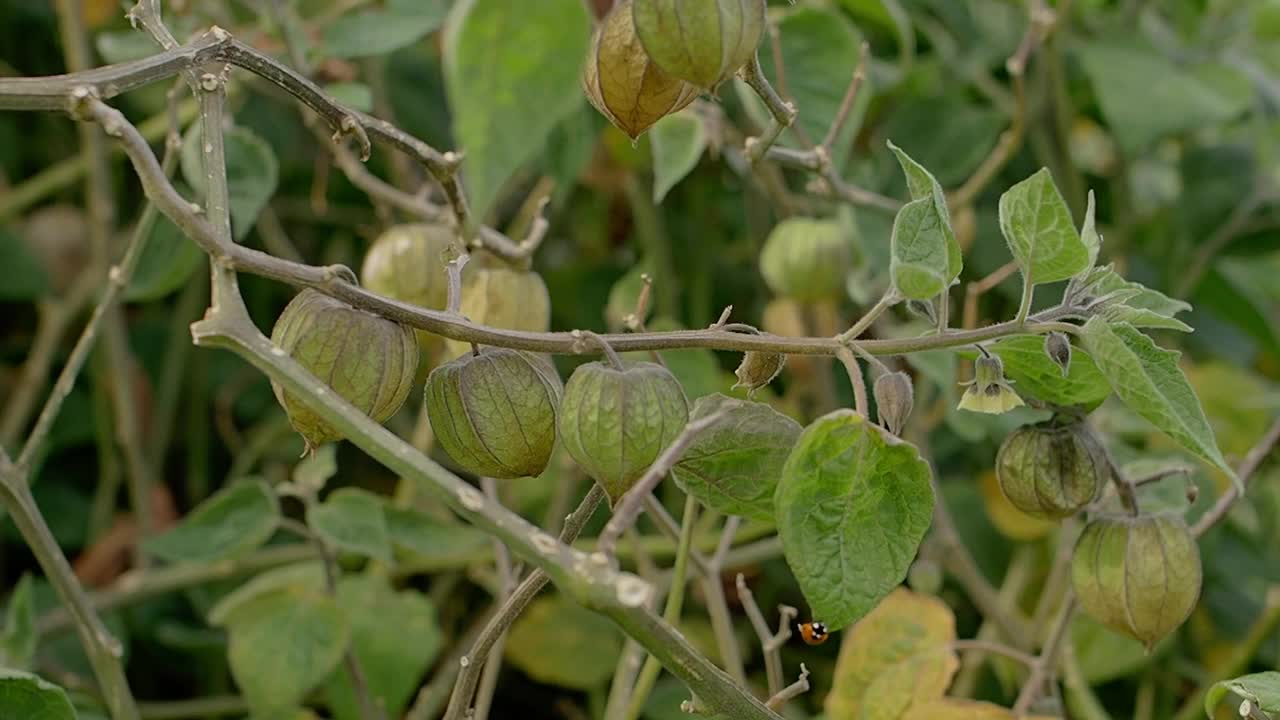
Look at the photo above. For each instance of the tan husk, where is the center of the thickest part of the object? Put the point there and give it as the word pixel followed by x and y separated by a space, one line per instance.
pixel 623 83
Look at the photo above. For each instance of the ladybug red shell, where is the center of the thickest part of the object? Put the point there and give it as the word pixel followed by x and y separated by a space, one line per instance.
pixel 814 633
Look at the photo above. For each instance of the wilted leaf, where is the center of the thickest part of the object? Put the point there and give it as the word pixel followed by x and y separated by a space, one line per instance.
pixel 1147 378
pixel 352 520
pixel 898 654
pixel 376 32
pixel 1262 689
pixel 394 635
pixel 252 173
pixel 511 77
pixel 282 644
pixel 852 507
pixel 1036 375
pixel 25 696
pixel 734 465
pixel 677 141
pixel 233 521
pixel 1037 225
pixel 560 643
pixel 18 635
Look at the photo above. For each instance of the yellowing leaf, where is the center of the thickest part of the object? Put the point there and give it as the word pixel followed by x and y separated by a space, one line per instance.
pixel 920 678
pixel 1009 520
pixel 895 657
pixel 952 709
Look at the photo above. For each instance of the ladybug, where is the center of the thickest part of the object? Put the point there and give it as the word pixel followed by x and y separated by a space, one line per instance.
pixel 814 633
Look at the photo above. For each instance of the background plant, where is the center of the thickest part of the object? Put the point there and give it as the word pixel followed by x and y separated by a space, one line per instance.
pixel 332 585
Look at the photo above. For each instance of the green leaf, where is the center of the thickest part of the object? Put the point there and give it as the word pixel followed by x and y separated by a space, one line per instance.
pixel 1262 689
pixel 1089 236
pixel 820 49
pixel 352 520
pixel 299 577
pixel 560 643
pixel 431 544
pixel 1144 96
pixel 1132 302
pixel 166 264
pixel 252 173
pixel 1037 225
pixel 317 468
pixel 1104 654
pixel 1034 374
pixel 25 696
pixel 1143 318
pixel 1147 378
pixel 22 276
pixel 852 507
pixel 377 32
pixel 232 522
pixel 924 254
pixel 282 644
pixel 394 635
pixel 918 264
pixel 677 141
pixel 18 636
pixel 734 465
pixel 511 77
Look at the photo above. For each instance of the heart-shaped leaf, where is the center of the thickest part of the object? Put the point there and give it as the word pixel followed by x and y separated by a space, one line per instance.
pixel 852 507
pixel 734 465
pixel 233 521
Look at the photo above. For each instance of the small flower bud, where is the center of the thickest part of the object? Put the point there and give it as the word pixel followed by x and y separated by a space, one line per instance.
pixel 923 309
pixel 989 392
pixel 758 369
pixel 894 396
pixel 1058 348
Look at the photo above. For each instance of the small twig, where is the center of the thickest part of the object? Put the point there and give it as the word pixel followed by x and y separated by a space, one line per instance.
pixel 634 321
pixel 671 612
pixel 1040 22
pixel 846 104
pixel 856 380
pixel 609 352
pixel 510 609
pixel 781 113
pixel 1164 474
pixel 1252 461
pixel 1043 667
pixel 995 648
pixel 975 290
pixel 770 642
pixel 628 508
pixel 506 580
pixel 886 301
pixel 454 268
pixel 794 690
